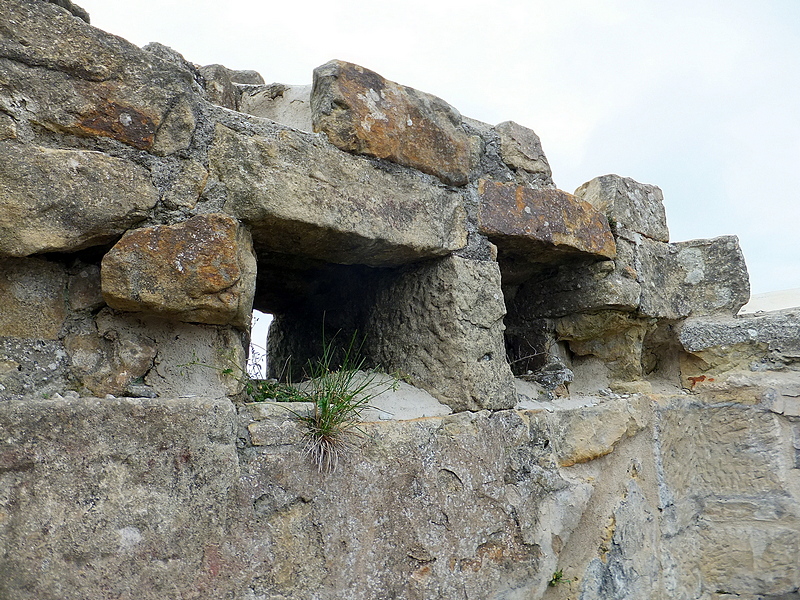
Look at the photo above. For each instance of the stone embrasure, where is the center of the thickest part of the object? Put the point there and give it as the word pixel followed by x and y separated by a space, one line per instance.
pixel 657 455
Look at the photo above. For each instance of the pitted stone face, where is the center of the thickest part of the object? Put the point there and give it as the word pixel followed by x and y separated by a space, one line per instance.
pixel 362 112
pixel 540 225
pixel 200 271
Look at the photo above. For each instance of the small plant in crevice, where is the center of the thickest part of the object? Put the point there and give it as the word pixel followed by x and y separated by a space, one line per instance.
pixel 340 393
pixel 558 578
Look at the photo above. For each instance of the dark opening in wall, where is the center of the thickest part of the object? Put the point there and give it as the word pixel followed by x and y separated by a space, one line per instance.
pixel 312 303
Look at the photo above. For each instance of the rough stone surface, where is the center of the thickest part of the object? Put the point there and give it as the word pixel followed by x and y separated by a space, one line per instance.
pixel 65 200
pixel 628 204
pixel 441 326
pixel 699 277
pixel 61 74
pixel 143 515
pixel 288 105
pixel 731 499
pixel 302 196
pixel 33 298
pixel 521 148
pixel 199 271
pixel 115 351
pixel 219 87
pixel 362 112
pixel 32 367
pixel 539 225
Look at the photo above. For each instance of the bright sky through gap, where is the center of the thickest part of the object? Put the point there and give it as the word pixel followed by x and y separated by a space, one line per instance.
pixel 699 98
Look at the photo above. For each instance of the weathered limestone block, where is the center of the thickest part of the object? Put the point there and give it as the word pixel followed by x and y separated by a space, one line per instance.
pixel 219 87
pixel 116 497
pixel 440 325
pixel 300 195
pixel 200 271
pixel 541 225
pixel 65 200
pixel 521 148
pixel 730 477
pixel 694 278
pixel 628 204
pixel 587 433
pixel 614 337
pixel 288 105
pixel 66 76
pixel 130 354
pixel 739 358
pixel 362 112
pixel 33 298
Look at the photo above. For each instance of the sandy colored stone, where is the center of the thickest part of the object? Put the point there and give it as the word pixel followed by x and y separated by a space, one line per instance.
pixel 541 225
pixel 440 325
pixel 521 148
pixel 84 289
pixel 614 337
pixel 219 87
pixel 202 270
pixel 32 298
pixel 588 433
pixel 84 81
pixel 65 200
pixel 288 105
pixel 302 196
pixel 362 112
pixel 628 204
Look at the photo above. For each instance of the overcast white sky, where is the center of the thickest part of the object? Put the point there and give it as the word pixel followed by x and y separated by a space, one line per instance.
pixel 699 98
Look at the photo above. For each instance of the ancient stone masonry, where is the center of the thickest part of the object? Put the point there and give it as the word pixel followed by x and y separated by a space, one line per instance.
pixel 600 422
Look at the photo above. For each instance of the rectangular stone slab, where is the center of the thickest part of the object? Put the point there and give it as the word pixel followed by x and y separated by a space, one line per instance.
pixel 362 112
pixel 300 195
pixel 541 225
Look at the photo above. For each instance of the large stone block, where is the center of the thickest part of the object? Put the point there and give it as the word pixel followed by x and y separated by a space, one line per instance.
pixel 694 278
pixel 300 195
pixel 362 112
pixel 542 225
pixel 440 325
pixel 33 298
pixel 65 200
pixel 114 498
pixel 628 204
pixel 78 79
pixel 200 271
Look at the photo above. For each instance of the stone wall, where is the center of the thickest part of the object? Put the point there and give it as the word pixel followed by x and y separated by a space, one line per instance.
pixel 610 418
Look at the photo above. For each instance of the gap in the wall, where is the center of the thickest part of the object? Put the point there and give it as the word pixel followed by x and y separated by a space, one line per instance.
pixel 257 360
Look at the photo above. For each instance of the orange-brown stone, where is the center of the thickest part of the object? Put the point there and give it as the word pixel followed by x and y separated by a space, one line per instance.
pixel 542 224
pixel 364 113
pixel 199 271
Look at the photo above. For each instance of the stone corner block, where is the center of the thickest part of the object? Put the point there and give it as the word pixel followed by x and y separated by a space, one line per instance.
pixel 542 224
pixel 636 206
pixel 521 148
pixel 200 271
pixel 362 112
